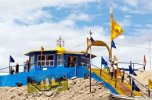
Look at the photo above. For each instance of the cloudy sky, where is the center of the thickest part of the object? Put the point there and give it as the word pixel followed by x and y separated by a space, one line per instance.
pixel 27 25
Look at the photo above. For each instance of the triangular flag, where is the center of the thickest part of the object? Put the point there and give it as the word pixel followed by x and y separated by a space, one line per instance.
pixel 115 60
pixel 113 44
pixel 134 86
pixel 145 60
pixel 92 40
pixel 131 71
pixel 88 42
pixel 11 59
pixel 103 61
pixel 116 30
pixel 150 84
pixel 118 72
pixel 42 49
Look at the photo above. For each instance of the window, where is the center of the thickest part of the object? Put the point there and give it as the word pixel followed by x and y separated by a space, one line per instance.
pixel 32 60
pixel 60 61
pixel 47 60
pixel 72 61
pixel 84 61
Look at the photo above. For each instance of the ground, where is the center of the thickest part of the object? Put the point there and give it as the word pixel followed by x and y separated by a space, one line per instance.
pixel 78 90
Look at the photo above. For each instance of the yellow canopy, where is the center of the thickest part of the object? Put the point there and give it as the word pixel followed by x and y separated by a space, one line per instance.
pixel 99 43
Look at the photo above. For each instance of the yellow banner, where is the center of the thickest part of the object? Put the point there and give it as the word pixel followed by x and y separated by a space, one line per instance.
pixel 116 30
pixel 150 84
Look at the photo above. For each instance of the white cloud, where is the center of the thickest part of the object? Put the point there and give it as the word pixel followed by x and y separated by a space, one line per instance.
pixel 79 17
pixel 17 40
pixel 137 6
pixel 9 9
pixel 132 3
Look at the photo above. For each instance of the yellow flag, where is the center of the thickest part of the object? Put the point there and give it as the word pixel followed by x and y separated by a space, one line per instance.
pixel 115 60
pixel 150 84
pixel 88 42
pixel 118 72
pixel 145 60
pixel 42 49
pixel 116 30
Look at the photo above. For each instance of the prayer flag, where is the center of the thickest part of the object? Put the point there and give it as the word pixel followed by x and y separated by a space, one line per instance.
pixel 103 61
pixel 150 84
pixel 134 86
pixel 145 60
pixel 11 59
pixel 116 30
pixel 113 44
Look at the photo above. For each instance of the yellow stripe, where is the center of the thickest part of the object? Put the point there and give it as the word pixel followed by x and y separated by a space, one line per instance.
pixel 107 79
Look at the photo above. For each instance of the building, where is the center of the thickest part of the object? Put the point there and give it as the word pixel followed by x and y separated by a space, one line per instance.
pixel 53 63
pixel 59 57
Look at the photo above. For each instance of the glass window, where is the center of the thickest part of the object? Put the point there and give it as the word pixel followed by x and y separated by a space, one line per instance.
pixel 32 60
pixel 84 61
pixel 47 60
pixel 60 61
pixel 72 61
pixel 50 57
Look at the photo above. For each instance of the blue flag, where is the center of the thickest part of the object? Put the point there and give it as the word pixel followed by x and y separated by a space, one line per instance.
pixel 131 71
pixel 92 40
pixel 134 86
pixel 103 61
pixel 113 44
pixel 11 59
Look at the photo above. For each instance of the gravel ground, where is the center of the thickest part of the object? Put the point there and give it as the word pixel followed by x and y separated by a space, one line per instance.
pixel 78 90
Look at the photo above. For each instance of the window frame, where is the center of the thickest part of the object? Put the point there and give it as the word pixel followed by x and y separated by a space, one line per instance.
pixel 60 62
pixel 45 61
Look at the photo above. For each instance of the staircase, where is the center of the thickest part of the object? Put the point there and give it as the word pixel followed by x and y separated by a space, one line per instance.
pixel 122 88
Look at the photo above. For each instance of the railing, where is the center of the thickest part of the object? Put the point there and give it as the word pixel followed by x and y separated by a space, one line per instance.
pixel 8 69
pixel 149 91
pixel 4 68
pixel 132 78
pixel 116 81
pixel 132 64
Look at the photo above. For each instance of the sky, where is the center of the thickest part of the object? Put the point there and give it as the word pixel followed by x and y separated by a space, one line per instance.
pixel 26 25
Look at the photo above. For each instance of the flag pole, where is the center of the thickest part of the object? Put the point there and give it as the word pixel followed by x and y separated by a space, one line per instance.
pixel 101 66
pixel 41 59
pixel 90 61
pixel 9 65
pixel 150 54
pixel 111 33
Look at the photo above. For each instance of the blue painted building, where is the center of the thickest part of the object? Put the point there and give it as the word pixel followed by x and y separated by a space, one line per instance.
pixel 53 63
pixel 59 57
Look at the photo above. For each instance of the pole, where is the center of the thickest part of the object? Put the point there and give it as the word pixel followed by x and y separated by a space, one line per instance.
pixel 150 54
pixel 9 66
pixel 90 62
pixel 111 32
pixel 101 66
pixel 75 70
pixel 144 67
pixel 41 60
pixel 148 92
pixel 130 73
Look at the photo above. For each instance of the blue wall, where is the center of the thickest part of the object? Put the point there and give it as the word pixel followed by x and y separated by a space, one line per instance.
pixel 11 80
pixel 37 68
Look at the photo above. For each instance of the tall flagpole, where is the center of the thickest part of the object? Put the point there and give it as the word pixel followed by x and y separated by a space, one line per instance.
pixel 111 32
pixel 9 66
pixel 150 54
pixel 90 61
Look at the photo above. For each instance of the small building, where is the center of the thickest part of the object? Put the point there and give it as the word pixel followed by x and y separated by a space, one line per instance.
pixel 59 57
